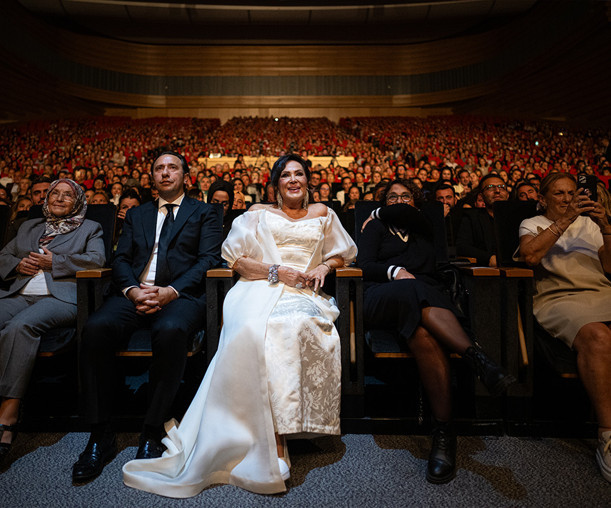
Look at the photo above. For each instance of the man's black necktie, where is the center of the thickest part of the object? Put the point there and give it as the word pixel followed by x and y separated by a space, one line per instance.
pixel 162 274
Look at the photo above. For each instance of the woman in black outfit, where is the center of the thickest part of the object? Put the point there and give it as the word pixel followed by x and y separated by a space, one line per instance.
pixel 397 256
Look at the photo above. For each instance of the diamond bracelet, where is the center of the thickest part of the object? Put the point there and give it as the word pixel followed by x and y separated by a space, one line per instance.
pixel 272 275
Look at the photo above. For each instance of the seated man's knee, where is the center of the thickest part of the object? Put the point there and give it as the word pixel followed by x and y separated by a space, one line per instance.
pixel 169 333
pixel 99 332
pixel 594 340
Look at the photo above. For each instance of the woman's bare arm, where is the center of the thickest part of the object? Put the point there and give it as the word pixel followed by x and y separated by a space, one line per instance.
pixel 534 248
pixel 256 270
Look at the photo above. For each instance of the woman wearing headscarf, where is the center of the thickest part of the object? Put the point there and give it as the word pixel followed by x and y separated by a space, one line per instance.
pixel 38 293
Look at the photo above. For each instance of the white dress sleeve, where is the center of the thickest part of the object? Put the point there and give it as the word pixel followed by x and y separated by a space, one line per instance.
pixel 531 226
pixel 242 240
pixel 337 242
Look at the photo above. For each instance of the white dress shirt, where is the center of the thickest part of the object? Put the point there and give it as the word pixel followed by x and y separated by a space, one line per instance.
pixel 148 274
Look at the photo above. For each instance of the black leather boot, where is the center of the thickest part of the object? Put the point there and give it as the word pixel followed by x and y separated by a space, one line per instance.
pixel 495 379
pixel 442 459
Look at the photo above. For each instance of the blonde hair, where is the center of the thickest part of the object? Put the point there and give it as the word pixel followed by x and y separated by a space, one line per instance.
pixel 552 178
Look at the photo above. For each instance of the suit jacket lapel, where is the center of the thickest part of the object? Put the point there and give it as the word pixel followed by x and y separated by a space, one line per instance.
pixel 35 235
pixel 187 207
pixel 59 239
pixel 149 225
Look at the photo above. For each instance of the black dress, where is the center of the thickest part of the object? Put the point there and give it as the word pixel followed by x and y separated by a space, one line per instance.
pixel 402 236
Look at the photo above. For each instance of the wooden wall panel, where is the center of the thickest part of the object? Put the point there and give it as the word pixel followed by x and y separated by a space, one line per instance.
pixel 272 101
pixel 224 114
pixel 320 60
pixel 502 71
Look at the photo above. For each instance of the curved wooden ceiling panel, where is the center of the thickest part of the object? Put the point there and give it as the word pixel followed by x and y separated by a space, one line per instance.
pixel 277 22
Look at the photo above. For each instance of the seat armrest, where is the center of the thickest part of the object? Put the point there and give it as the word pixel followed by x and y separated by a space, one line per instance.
pixel 513 272
pixel 463 260
pixel 215 273
pixel 481 271
pixel 218 282
pixel 349 324
pixel 518 333
pixel 95 273
pixel 349 271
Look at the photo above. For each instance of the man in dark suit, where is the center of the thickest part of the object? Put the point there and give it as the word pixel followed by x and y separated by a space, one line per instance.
pixel 476 232
pixel 162 257
pixel 445 194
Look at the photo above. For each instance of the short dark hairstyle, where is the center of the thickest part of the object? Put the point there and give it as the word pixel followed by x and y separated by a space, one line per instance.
pixel 445 186
pixel 130 194
pixel 480 187
pixel 519 185
pixel 411 186
pixel 221 185
pixel 42 179
pixel 183 161
pixel 194 193
pixel 354 187
pixel 281 163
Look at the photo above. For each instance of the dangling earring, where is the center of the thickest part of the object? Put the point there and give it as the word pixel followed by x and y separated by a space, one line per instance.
pixel 279 199
pixel 541 206
pixel 305 200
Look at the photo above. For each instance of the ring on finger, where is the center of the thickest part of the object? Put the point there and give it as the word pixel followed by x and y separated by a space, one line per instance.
pixel 299 285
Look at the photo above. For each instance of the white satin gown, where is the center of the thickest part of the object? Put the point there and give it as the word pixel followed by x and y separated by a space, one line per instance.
pixel 277 368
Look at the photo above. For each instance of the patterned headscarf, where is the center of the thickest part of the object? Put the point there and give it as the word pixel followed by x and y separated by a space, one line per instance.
pixel 62 225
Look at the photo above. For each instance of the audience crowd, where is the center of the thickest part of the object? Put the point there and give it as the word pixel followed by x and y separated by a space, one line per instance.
pixel 461 162
pixel 446 157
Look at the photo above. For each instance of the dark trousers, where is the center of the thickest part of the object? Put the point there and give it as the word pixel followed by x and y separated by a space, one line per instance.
pixel 110 328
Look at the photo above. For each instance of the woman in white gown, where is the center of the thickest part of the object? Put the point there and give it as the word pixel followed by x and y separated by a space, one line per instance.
pixel 277 370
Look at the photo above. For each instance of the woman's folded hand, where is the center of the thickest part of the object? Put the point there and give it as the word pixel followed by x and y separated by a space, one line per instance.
pixel 44 261
pixel 292 277
pixel 27 266
pixel 316 276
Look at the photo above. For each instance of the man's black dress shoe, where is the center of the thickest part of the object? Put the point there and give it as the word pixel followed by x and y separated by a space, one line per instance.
pixel 149 448
pixel 442 459
pixel 96 455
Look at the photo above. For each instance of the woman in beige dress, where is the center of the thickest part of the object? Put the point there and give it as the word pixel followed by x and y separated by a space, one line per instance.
pixel 570 248
pixel 277 370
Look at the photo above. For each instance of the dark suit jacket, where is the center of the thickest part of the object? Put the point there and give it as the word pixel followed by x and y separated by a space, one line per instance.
pixel 476 236
pixel 195 246
pixel 81 249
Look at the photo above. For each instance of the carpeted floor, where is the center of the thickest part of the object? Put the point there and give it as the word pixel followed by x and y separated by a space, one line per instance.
pixel 354 471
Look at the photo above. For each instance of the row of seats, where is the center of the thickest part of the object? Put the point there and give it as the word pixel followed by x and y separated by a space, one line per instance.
pixel 497 303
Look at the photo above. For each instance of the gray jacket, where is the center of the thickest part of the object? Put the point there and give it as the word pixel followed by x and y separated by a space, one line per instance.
pixel 81 249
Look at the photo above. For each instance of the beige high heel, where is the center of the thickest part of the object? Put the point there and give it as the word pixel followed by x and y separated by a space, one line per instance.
pixel 284 463
pixel 285 472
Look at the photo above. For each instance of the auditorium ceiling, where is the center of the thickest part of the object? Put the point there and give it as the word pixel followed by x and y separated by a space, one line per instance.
pixel 278 22
pixel 540 59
